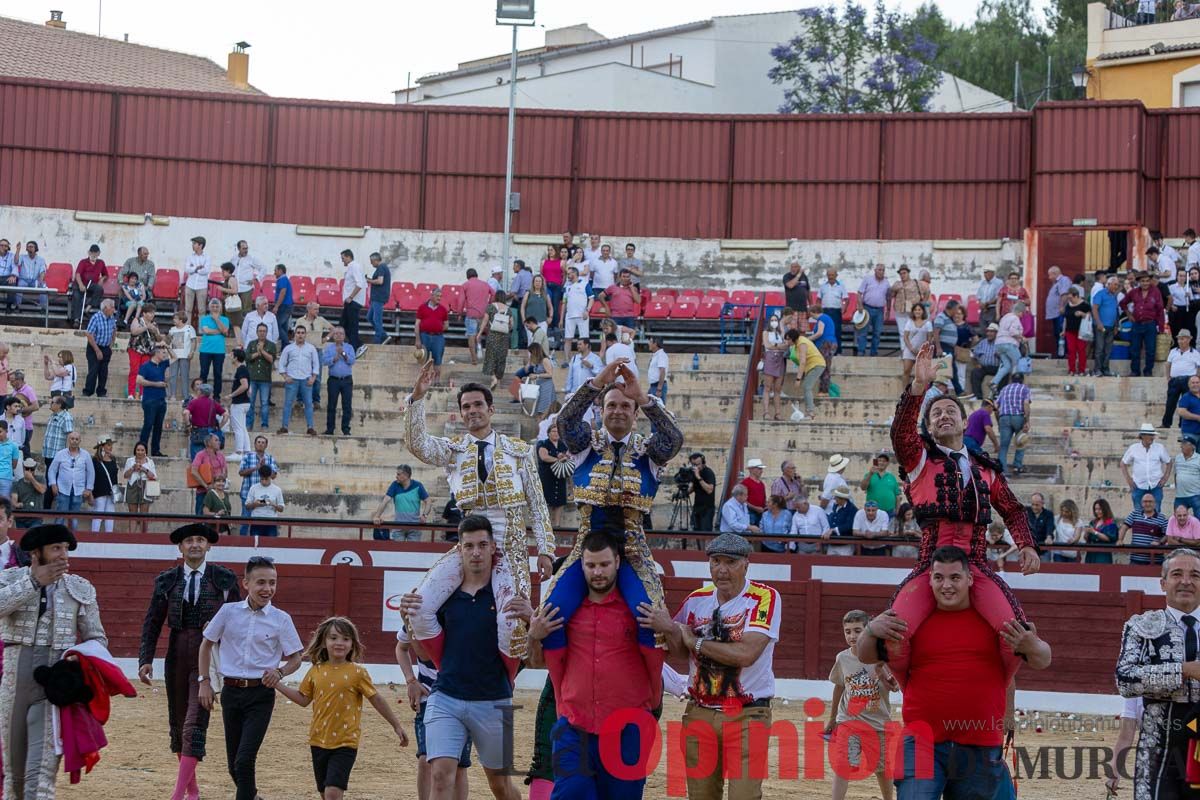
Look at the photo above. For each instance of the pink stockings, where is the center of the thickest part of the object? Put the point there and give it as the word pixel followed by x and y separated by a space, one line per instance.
pixel 186 787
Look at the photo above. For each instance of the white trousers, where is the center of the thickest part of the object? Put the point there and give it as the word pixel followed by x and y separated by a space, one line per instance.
pixel 237 421
pixel 101 505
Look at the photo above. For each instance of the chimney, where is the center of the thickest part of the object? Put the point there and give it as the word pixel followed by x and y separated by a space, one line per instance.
pixel 56 21
pixel 238 70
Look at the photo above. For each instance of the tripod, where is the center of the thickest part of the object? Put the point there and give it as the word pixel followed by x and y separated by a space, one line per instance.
pixel 681 511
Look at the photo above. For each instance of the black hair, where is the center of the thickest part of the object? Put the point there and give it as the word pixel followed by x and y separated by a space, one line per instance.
pixel 950 554
pixel 598 541
pixel 699 456
pixel 348 253
pixel 405 468
pixel 228 267
pixel 259 562
pixel 1190 232
pixel 475 522
pixel 264 471
pixel 630 244
pixel 611 337
pixel 519 262
pixel 375 255
pixel 239 354
pixel 6 507
pixel 961 408
pixel 282 268
pixel 472 273
pixel 475 387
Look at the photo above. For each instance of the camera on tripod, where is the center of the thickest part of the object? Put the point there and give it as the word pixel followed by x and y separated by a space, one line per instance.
pixel 683 484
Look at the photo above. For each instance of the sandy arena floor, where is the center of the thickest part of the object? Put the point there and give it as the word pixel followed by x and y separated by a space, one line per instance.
pixel 137 763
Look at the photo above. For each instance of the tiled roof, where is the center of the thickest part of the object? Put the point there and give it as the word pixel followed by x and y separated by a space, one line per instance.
pixel 37 51
pixel 1145 51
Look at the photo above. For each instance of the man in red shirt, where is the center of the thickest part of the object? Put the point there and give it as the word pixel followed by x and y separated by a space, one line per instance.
pixel 602 641
pixel 756 490
pixel 956 698
pixel 1145 308
pixel 624 300
pixel 476 296
pixel 431 330
pixel 88 283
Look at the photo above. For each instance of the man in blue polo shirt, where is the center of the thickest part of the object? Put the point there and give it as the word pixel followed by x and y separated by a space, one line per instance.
pixel 283 303
pixel 473 692
pixel 152 378
pixel 1189 411
pixel 1105 312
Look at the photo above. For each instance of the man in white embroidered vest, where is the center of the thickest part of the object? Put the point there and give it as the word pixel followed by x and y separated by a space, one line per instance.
pixel 43 613
pixel 493 475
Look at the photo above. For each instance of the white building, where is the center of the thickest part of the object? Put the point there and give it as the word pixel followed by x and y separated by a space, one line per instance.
pixel 716 66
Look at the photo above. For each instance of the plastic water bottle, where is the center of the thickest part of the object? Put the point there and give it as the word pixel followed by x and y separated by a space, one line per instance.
pixel 695 362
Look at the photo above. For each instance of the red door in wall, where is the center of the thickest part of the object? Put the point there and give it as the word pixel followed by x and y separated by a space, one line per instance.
pixel 1066 251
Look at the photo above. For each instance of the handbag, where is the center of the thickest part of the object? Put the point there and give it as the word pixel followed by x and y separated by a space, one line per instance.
pixel 153 489
pixel 962 354
pixel 529 396
pixel 501 322
pixel 233 303
pixel 1087 332
pixel 1025 365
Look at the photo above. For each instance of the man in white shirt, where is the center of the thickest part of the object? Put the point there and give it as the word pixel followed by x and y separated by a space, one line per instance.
pixel 584 365
pixel 657 373
pixel 591 250
pixel 834 296
pixel 497 279
pixel 1182 363
pixel 604 270
pixel 1193 248
pixel 833 478
pixel 195 273
pixel 1146 466
pixel 617 348
pixel 988 295
pixel 71 477
pixel 808 522
pixel 1169 258
pixel 299 364
pixel 575 308
pixel 264 499
pixel 871 523
pixel 354 291
pixel 261 315
pixel 249 271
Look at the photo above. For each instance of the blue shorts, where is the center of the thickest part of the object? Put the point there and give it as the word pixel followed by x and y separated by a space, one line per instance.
pixel 451 724
pixel 472 326
pixel 464 760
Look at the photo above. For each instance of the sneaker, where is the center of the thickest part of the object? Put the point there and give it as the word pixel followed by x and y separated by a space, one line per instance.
pixel 386 339
pixel 281 431
pixel 361 351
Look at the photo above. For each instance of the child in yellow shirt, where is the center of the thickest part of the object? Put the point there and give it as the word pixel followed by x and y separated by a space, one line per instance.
pixel 336 685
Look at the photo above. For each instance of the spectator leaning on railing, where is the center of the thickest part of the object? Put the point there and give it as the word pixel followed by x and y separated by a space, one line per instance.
pixel 1144 527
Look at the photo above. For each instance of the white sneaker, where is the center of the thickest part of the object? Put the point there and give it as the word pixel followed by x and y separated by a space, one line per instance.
pixel 361 351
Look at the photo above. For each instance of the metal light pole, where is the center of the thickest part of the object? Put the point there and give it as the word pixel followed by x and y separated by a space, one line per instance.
pixel 514 13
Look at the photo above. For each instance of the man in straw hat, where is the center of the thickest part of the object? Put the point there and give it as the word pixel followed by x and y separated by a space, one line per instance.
pixel 43 613
pixel 492 475
pixel 1146 466
pixel 834 478
pixel 185 597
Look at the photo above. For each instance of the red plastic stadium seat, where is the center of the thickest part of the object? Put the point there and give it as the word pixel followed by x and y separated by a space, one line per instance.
pixel 112 286
pixel 403 287
pixel 320 284
pixel 659 309
pixel 215 279
pixel 452 298
pixel 166 285
pixel 265 288
pixel 58 276
pixel 851 307
pixel 716 294
pixel 410 302
pixel 776 299
pixel 672 293
pixel 973 311
pixel 744 297
pixel 692 296
pixel 328 295
pixel 710 309
pixel 427 288
pixel 946 298
pixel 814 299
pixel 684 309
pixel 302 289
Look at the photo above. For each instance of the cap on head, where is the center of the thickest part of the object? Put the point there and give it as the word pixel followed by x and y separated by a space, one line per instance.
pixel 729 544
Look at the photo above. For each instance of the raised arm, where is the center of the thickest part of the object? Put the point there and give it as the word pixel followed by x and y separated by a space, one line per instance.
pixel 432 450
pixel 576 433
pixel 906 436
pixel 667 440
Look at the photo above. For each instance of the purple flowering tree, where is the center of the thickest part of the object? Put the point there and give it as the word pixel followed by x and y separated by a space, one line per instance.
pixel 841 64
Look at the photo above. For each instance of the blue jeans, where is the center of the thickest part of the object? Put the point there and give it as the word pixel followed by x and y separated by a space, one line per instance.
pixel 874 328
pixel 1191 502
pixel 1009 355
pixel 260 396
pixel 1010 425
pixel 153 414
pixel 1143 337
pixel 264 530
pixel 290 391
pixel 375 317
pixel 960 772
pixel 972 445
pixel 579 772
pixel 1138 494
pixel 555 290
pixel 67 504
pixel 435 346
pixel 217 362
pixel 1059 343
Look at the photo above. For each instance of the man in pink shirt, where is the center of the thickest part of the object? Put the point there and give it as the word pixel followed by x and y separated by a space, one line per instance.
pixel 476 296
pixel 624 300
pixel 1183 530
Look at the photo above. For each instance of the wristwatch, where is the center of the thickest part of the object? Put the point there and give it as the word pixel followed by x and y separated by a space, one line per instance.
pixel 201 678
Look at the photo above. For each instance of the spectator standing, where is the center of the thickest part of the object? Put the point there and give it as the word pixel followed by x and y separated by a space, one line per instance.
pixel 29 402
pixel 249 271
pixel 380 292
pixel 61 374
pixel 984 359
pixel 590 253
pixel 624 301
pixel 1075 310
pixel 239 403
pixel 552 452
pixel 1068 529
pixel 496 330
pixel 979 427
pixel 496 281
pixel 1009 339
pixel 300 366
pixel 810 364
pixel 1056 300
pixel 880 485
pixel 871 522
pixel 104 465
pixel 31 273
pixel 10 462
pixel 833 295
pixel 789 486
pixel 575 308
pixel 796 289
pixel 756 490
pixel 139 470
pixel 15 422
pixel 536 303
pixel 841 513
pixel 28 494
pixel 248 468
pixel 1179 302
pixel 823 337
pixel 71 477
pixel 283 303
pixel 144 336
pixel 195 273
pixel 477 296
pixel 552 275
pixel 1105 313
pixel 604 270
pixel 903 295
pixel 100 331
pixel 205 415
pixel 218 505
pixel 231 304
pixel 260 362
pixel 207 468
pixel 658 371
pixel 584 365
pixel 1169 257
pixel 1183 364
pixel 58 426
pixel 914 332
pixel 632 263
pixel 1183 530
pixel 182 337
pixel 410 504
pixel 1145 526
pixel 9 274
pixel 1102 530
pixel 1146 466
pixel 873 297
pixel 1144 306
pixel 214 327
pixel 777 520
pixel 1186 468
pixel 522 279
pixel 339 358
pixel 1012 408
pixel 354 291
pixel 261 315
pixel 1012 294
pixel 87 286
pixel 265 500
pixel 620 348
pixel 775 352
pixel 1041 519
pixel 431 330
pixel 834 477
pixel 810 524
pixel 318 330
pixel 988 295
pixel 152 381
pixel 704 488
pixel 735 514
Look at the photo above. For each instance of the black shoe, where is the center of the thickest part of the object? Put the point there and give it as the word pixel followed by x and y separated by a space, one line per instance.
pixel 327 433
pixel 159 455
pixel 346 432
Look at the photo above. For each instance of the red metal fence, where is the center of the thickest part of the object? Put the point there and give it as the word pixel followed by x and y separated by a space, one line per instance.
pixel 918 176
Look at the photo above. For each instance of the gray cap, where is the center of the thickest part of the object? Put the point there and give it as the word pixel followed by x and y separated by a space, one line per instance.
pixel 729 544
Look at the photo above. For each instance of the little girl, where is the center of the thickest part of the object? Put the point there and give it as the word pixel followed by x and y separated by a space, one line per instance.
pixel 337 686
pixel 135 297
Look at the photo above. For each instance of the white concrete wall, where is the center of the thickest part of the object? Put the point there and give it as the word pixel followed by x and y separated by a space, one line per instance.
pixel 444 256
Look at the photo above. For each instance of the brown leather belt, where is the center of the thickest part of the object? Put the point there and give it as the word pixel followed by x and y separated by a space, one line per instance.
pixel 243 683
